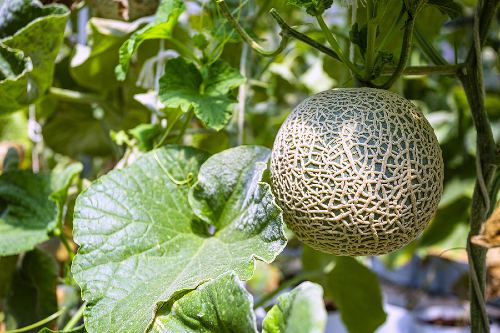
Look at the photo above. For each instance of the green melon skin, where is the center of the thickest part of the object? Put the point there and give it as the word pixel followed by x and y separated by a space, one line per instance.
pixel 357 171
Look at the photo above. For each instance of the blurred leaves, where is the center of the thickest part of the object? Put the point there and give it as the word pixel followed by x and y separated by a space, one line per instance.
pixel 312 7
pixel 123 10
pixel 353 288
pixel 301 310
pixel 93 66
pixel 32 294
pixel 448 7
pixel 31 204
pixel 163 23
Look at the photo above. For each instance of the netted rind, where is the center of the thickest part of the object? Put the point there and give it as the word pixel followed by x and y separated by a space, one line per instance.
pixel 357 171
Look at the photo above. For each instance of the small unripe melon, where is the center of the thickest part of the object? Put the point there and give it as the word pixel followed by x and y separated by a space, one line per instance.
pixel 357 171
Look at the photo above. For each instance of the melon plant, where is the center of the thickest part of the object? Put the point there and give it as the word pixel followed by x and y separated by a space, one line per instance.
pixel 357 171
pixel 145 196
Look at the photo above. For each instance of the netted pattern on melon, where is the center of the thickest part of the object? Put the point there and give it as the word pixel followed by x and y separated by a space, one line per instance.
pixel 357 171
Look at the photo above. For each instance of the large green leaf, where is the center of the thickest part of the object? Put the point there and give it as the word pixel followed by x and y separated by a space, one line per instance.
pixel 28 206
pixel 300 311
pixel 141 243
pixel 183 86
pixel 32 294
pixel 355 290
pixel 220 306
pixel 164 21
pixel 14 70
pixel 93 66
pixel 38 31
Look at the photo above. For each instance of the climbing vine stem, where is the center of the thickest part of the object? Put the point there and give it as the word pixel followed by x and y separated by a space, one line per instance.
pixel 472 81
pixel 405 53
pixel 246 37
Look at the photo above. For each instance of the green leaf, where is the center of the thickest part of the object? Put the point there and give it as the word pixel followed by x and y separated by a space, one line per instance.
pixel 93 66
pixel 300 311
pixel 14 70
pixel 200 41
pixel 23 23
pixel 357 36
pixel 145 134
pixel 355 290
pixel 182 86
pixel 32 295
pixel 383 58
pixel 61 181
pixel 164 21
pixel 28 211
pixel 221 305
pixel 313 7
pixel 8 265
pixel 430 22
pixel 75 129
pixel 448 7
pixel 141 244
pixel 14 127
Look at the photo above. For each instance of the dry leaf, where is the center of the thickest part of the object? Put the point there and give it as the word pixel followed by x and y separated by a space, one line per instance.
pixel 490 231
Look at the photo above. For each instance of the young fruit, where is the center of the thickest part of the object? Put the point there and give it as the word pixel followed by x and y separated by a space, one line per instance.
pixel 357 171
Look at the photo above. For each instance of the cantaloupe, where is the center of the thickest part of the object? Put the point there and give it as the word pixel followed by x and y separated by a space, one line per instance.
pixel 357 171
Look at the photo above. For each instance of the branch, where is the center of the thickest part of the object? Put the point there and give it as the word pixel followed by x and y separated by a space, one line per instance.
pixel 472 81
pixel 425 70
pixel 405 53
pixel 246 37
pixel 74 96
pixel 286 33
pixel 428 49
pixel 289 31
pixel 335 45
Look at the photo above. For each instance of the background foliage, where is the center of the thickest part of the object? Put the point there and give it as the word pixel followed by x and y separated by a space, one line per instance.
pixel 93 94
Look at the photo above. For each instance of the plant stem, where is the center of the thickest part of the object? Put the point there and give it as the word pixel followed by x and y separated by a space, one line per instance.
pixel 189 116
pixel 428 49
pixel 472 81
pixel 387 36
pixel 405 53
pixel 287 284
pixel 246 37
pixel 67 246
pixel 371 49
pixel 425 70
pixel 335 45
pixel 76 317
pixel 74 96
pixel 38 323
